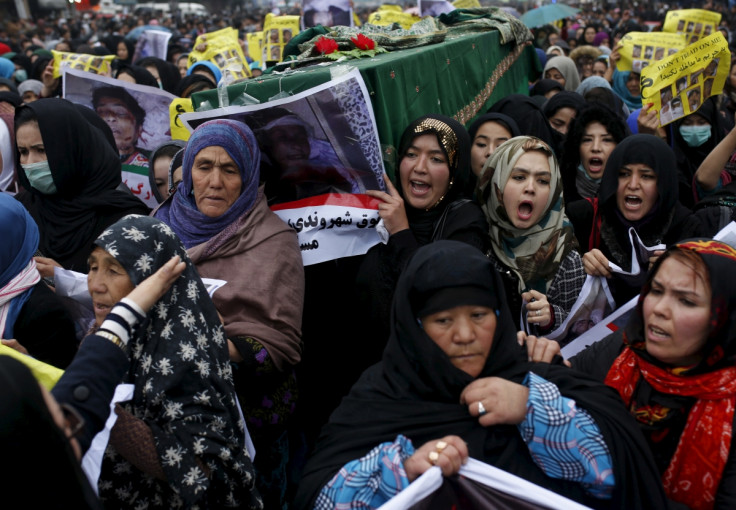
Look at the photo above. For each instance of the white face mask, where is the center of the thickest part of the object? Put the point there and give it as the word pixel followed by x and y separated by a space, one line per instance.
pixel 39 175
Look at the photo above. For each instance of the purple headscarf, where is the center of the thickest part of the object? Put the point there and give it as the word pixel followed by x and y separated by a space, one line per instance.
pixel 181 213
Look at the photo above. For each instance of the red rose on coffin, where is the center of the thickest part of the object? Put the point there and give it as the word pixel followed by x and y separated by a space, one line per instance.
pixel 363 42
pixel 326 45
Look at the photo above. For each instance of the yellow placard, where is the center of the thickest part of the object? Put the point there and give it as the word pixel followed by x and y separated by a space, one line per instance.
pixel 640 49
pixel 677 85
pixel 222 49
pixel 177 107
pixel 694 23
pixel 254 41
pixel 90 63
pixel 277 32
pixel 47 375
pixel 466 4
pixel 386 16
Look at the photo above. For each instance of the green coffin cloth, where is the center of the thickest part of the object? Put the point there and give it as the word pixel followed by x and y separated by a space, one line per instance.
pixel 460 77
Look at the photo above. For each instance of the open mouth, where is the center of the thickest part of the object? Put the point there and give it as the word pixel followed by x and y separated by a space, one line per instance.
pixel 632 202
pixel 419 187
pixel 656 333
pixel 101 309
pixel 524 211
pixel 595 166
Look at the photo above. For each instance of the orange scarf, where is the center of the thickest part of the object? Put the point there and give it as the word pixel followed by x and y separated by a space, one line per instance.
pixel 696 468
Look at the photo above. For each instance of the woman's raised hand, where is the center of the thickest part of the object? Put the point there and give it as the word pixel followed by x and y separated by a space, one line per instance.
pixel 391 209
pixel 596 264
pixel 538 310
pixel 496 401
pixel 46 266
pixel 449 453
pixel 155 286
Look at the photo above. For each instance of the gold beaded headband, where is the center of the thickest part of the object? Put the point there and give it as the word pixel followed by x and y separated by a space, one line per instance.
pixel 445 135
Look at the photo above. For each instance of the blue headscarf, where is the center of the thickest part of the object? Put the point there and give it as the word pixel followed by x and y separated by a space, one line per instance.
pixel 181 213
pixel 619 87
pixel 19 235
pixel 7 68
pixel 209 65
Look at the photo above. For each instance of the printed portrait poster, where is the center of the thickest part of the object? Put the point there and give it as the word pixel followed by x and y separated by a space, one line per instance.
pixel 327 13
pixel 319 154
pixel 138 116
pixel 254 43
pixel 696 24
pixel 277 32
pixel 434 7
pixel 152 43
pixel 640 49
pixel 222 48
pixel 677 85
pixel 81 61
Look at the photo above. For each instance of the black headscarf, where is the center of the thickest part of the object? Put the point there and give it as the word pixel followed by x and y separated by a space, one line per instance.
pixel 546 85
pixel 653 228
pixel 690 158
pixel 564 99
pixel 86 172
pixel 455 143
pixel 502 119
pixel 112 42
pixel 139 74
pixel 184 392
pixel 193 83
pixel 35 448
pixel 528 116
pixel 176 146
pixel 415 391
pixel 168 73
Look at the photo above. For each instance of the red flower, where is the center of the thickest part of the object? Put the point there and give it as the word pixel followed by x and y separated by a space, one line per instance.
pixel 325 45
pixel 363 42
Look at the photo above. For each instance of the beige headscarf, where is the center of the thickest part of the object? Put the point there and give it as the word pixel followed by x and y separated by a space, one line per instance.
pixel 535 253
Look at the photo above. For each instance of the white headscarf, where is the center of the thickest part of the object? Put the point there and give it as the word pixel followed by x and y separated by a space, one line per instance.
pixel 7 172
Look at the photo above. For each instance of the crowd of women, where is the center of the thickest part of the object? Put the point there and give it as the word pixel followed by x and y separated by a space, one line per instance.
pixel 251 397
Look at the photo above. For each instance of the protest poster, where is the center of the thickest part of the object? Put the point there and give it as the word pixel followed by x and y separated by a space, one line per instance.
pixel 254 45
pixel 389 14
pixel 677 85
pixel 319 153
pixel 135 114
pixel 277 32
pixel 434 7
pixel 694 23
pixel 90 63
pixel 152 43
pixel 178 106
pixel 478 486
pixel 327 13
pixel 640 49
pixel 222 48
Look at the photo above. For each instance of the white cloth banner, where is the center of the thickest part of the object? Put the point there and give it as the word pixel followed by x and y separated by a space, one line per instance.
pixel 332 226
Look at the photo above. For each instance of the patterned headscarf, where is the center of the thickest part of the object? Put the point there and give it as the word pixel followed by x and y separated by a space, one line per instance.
pixel 535 253
pixel 191 225
pixel 184 391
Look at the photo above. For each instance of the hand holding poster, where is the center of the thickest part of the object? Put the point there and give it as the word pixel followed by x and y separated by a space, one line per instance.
pixel 278 31
pixel 90 63
pixel 640 49
pixel 222 48
pixel 677 85
pixel 694 23
pixel 319 153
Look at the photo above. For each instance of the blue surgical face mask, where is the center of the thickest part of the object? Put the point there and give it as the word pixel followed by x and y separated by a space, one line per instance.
pixel 695 136
pixel 20 75
pixel 39 175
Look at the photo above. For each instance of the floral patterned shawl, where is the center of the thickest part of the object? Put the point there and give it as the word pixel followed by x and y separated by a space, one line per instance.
pixel 183 387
